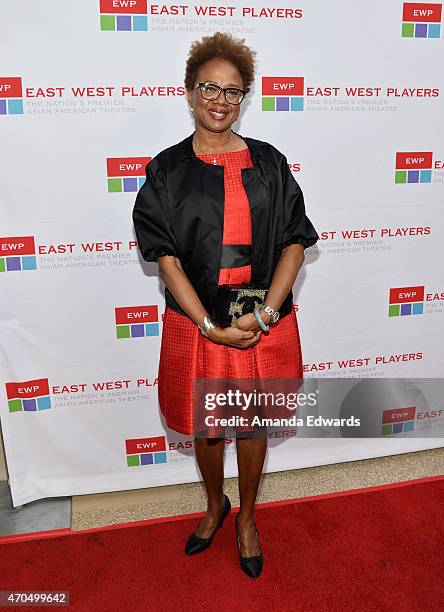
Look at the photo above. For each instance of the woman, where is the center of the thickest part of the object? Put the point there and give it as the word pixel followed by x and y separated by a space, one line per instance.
pixel 221 209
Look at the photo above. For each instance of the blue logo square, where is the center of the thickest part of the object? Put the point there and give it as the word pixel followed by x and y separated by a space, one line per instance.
pixel 297 103
pixel 160 457
pixel 29 262
pixel 44 402
pixel 434 30
pixel 15 107
pixel 151 329
pixel 140 23
pixel 417 308
pixel 425 176
pixel 409 425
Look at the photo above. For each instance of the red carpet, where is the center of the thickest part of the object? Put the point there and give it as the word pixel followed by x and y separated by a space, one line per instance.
pixel 380 550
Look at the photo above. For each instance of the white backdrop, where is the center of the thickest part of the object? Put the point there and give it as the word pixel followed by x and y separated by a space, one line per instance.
pixel 80 105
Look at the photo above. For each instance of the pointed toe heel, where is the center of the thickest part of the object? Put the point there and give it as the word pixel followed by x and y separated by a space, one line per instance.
pixel 195 544
pixel 251 566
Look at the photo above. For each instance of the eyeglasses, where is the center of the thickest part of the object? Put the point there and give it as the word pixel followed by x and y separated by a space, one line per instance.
pixel 211 91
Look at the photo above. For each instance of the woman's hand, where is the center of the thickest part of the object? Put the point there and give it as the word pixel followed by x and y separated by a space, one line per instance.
pixel 234 336
pixel 248 322
pixel 244 333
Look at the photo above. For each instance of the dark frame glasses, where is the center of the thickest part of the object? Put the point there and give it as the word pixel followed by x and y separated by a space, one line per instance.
pixel 213 96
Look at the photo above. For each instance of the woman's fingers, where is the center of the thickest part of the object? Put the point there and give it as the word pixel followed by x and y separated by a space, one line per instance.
pixel 249 342
pixel 239 338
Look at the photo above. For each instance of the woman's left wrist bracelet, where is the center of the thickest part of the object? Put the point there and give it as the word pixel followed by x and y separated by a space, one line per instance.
pixel 206 325
pixel 264 326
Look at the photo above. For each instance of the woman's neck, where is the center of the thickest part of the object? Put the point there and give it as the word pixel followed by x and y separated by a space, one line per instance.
pixel 211 143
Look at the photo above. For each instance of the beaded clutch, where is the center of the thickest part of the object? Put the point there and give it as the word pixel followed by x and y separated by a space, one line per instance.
pixel 233 301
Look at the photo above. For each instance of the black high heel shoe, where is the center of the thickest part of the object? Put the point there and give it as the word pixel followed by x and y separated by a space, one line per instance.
pixel 252 566
pixel 195 544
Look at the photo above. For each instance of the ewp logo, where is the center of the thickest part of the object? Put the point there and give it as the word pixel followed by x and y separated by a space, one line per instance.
pixel 145 451
pixel 137 321
pixel 398 420
pixel 421 20
pixel 17 253
pixel 406 301
pixel 11 96
pixel 413 167
pixel 28 396
pixel 282 93
pixel 126 174
pixel 123 15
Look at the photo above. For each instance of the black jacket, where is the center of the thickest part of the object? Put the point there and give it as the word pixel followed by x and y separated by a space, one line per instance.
pixel 179 211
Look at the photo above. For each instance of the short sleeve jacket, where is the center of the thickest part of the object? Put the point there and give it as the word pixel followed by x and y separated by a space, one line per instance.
pixel 179 211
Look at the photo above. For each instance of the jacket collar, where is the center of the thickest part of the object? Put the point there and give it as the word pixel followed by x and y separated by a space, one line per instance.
pixel 185 148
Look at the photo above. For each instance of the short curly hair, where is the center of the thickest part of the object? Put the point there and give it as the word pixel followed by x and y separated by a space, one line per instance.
pixel 222 45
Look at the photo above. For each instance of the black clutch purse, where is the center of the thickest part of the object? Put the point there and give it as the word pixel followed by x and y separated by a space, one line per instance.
pixel 233 301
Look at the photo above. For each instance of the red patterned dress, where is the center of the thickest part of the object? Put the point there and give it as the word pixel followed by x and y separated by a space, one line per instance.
pixel 186 354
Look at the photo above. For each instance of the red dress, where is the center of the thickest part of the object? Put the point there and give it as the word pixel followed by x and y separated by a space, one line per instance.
pixel 186 354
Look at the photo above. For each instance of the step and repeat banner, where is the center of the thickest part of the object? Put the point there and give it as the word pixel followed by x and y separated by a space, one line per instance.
pixel 90 91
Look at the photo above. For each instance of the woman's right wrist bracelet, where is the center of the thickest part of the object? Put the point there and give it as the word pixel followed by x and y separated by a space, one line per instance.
pixel 206 325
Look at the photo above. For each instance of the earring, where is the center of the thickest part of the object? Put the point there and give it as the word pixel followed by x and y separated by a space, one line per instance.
pixel 191 109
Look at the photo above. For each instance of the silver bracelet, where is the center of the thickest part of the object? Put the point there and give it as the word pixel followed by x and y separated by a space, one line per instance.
pixel 206 325
pixel 274 314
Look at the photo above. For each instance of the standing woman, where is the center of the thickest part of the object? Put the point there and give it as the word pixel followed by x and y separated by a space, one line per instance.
pixel 221 209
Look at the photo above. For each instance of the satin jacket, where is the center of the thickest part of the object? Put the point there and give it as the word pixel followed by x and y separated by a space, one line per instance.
pixel 179 211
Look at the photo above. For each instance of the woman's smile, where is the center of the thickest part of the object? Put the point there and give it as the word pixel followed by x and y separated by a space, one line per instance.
pixel 218 114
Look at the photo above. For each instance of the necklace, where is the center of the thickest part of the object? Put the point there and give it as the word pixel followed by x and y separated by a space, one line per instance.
pixel 214 158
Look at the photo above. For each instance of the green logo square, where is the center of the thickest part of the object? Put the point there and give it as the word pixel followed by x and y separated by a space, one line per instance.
pixel 15 405
pixel 107 22
pixel 114 185
pixel 394 310
pixel 268 104
pixel 133 460
pixel 123 331
pixel 401 176
pixel 407 30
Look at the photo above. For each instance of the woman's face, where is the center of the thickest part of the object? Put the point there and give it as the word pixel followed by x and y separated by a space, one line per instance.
pixel 215 115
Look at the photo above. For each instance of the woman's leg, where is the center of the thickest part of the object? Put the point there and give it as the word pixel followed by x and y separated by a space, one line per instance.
pixel 250 461
pixel 210 459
